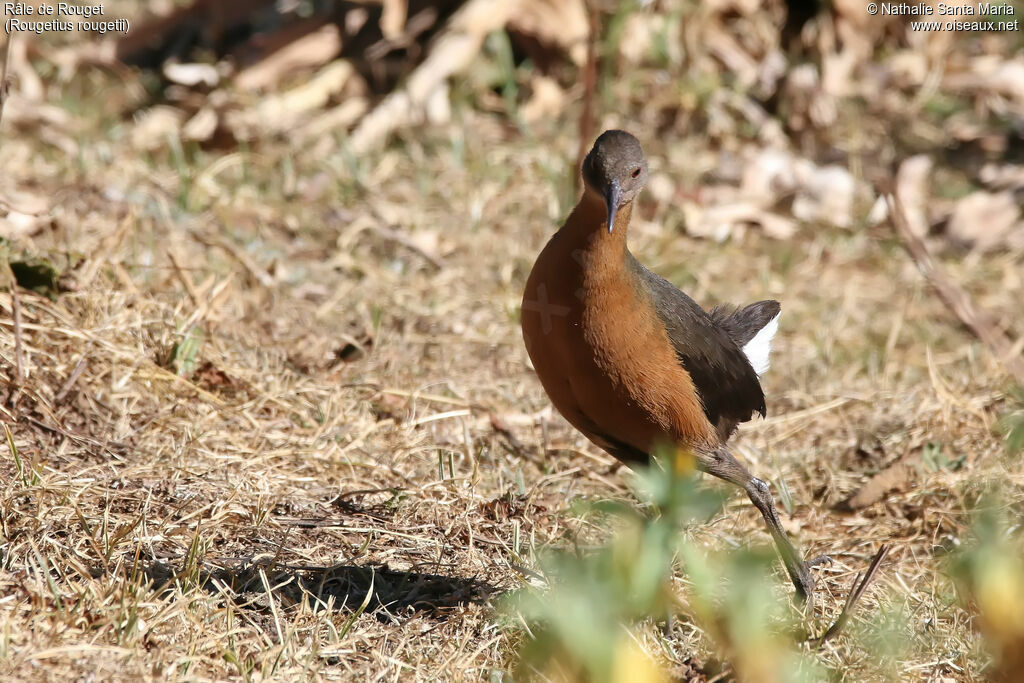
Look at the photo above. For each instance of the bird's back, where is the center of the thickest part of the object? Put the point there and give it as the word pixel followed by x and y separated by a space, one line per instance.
pixel 715 348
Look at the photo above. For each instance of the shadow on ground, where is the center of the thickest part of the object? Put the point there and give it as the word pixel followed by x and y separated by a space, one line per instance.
pixel 392 593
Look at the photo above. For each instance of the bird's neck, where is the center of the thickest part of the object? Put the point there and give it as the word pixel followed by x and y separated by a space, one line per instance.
pixel 587 229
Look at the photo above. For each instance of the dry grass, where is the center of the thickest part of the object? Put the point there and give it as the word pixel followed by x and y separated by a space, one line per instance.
pixel 297 509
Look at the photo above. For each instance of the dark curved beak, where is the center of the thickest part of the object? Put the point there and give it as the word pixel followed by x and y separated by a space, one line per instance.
pixel 611 202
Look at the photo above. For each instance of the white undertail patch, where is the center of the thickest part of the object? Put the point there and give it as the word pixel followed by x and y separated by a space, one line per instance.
pixel 758 349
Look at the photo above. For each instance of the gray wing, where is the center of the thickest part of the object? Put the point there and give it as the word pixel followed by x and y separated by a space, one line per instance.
pixel 742 324
pixel 709 347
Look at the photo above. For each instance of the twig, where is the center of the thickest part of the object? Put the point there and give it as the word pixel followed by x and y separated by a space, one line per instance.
pixel 502 428
pixel 859 586
pixel 4 85
pixel 393 235
pixel 589 88
pixel 391 232
pixel 977 320
pixel 183 276
pixel 103 446
pixel 70 382
pixel 255 270
pixel 19 354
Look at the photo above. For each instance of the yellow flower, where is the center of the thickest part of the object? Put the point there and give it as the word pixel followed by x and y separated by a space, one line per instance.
pixel 684 462
pixel 632 665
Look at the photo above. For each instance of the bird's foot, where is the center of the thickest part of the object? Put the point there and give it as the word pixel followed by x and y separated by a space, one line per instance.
pixel 804 580
pixel 819 560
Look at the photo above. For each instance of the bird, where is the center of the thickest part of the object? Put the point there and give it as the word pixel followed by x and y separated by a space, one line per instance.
pixel 634 363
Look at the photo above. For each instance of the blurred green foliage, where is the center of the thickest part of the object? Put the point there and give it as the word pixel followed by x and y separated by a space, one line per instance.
pixel 597 620
pixel 32 273
pixel 1012 423
pixel 184 355
pixel 37 275
pixel 989 571
pixel 584 626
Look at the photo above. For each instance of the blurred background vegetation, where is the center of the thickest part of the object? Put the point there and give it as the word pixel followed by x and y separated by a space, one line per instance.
pixel 267 412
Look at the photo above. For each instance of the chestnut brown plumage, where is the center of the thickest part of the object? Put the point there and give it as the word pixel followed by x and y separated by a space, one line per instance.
pixel 631 361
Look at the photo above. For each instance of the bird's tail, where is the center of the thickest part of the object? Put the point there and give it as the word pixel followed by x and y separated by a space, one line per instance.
pixel 751 328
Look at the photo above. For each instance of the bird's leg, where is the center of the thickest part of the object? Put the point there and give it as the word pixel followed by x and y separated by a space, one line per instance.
pixel 799 571
pixel 722 464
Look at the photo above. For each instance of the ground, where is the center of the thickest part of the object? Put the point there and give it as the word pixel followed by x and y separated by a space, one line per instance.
pixel 279 420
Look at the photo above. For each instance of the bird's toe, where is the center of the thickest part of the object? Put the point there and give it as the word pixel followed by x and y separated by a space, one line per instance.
pixel 820 560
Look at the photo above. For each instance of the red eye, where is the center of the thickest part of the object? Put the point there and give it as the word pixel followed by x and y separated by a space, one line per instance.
pixel 636 173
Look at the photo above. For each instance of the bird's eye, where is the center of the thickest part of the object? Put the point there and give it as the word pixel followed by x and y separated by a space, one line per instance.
pixel 636 172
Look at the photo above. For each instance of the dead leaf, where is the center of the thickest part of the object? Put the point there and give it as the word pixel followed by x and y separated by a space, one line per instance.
pixel 438 107
pixel 897 476
pixel 721 222
pixel 22 214
pixel 559 23
pixel 1009 79
pixel 281 113
pixel 826 195
pixel 639 32
pixel 17 225
pixel 984 219
pixel 776 226
pixel 661 187
pixel 310 51
pixel 909 68
pixel 29 84
pixel 509 505
pixel 767 175
pixel 392 18
pixel 336 118
pixel 211 378
pixel 389 406
pixel 454 49
pixel 1015 240
pixel 155 126
pixel 990 73
pixel 23 202
pixel 71 58
pixel 201 126
pixel 737 61
pixel 912 189
pixel 547 100
pixel 427 242
pixel 191 75
pixel 1002 176
pixel 50 124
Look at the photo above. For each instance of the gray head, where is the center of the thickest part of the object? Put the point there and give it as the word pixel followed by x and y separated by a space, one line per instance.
pixel 616 170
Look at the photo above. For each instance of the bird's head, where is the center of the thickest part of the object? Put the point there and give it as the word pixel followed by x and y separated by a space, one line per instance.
pixel 616 170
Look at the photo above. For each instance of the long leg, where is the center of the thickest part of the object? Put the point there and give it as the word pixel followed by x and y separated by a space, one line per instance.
pixel 722 464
